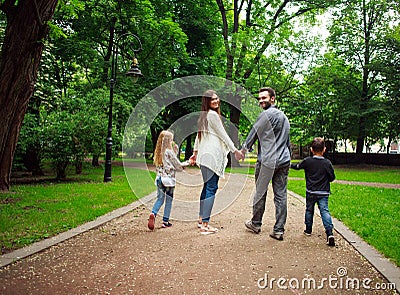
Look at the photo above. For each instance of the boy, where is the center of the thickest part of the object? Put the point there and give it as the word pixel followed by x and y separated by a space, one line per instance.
pixel 319 174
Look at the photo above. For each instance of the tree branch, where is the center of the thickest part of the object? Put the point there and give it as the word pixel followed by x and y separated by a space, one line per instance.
pixel 224 25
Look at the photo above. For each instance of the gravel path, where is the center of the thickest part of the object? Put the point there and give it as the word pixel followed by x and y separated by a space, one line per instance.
pixel 124 257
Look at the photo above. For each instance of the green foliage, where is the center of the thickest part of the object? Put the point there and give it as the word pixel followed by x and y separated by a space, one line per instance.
pixel 267 45
pixel 61 138
pixel 70 134
pixel 321 106
pixel 390 70
pixel 200 24
pixel 30 133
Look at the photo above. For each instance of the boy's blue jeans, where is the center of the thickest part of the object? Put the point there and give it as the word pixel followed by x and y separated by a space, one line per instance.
pixel 207 196
pixel 322 201
pixel 163 193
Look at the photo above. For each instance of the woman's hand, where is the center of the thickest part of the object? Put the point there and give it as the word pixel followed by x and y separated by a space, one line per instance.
pixel 239 155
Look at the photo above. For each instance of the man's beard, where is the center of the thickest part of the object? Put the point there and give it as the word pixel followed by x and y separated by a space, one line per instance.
pixel 266 105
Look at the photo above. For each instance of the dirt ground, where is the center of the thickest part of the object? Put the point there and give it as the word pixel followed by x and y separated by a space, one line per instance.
pixel 124 257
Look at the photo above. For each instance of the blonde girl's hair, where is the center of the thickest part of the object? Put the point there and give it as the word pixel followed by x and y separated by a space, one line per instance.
pixel 164 142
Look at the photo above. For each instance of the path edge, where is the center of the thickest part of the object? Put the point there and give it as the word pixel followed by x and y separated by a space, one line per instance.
pixel 387 268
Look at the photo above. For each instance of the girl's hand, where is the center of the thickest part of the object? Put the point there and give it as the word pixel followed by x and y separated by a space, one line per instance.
pixel 192 160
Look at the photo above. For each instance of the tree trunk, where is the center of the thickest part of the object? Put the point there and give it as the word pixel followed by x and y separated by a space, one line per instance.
pixel 95 160
pixel 31 160
pixel 388 145
pixel 61 169
pixel 78 167
pixel 19 62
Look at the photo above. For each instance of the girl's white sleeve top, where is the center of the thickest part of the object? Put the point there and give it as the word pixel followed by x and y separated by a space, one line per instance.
pixel 214 146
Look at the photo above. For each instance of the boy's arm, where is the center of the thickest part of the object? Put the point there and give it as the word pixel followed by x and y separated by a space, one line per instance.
pixel 297 166
pixel 294 166
pixel 331 173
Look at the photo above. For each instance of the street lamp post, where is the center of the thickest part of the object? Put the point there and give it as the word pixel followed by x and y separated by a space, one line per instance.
pixel 133 72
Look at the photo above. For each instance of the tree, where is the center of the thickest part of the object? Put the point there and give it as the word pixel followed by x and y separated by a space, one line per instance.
pixel 98 27
pixel 357 37
pixel 321 107
pixel 204 56
pixel 27 27
pixel 390 70
pixel 250 28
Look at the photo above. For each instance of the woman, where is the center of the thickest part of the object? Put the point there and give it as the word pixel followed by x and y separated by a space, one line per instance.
pixel 211 148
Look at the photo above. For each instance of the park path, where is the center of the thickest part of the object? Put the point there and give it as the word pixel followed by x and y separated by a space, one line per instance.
pixel 123 257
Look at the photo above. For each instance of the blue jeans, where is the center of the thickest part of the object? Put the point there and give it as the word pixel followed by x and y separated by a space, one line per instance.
pixel 279 177
pixel 322 201
pixel 207 196
pixel 163 193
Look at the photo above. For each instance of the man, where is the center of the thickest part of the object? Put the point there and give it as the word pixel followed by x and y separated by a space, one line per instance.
pixel 273 162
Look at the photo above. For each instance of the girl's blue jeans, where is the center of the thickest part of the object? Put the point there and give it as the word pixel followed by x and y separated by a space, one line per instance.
pixel 322 201
pixel 163 193
pixel 207 196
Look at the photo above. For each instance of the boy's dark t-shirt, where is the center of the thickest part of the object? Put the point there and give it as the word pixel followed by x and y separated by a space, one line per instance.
pixel 319 173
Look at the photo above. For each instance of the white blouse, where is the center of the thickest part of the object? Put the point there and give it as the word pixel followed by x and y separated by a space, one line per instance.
pixel 214 146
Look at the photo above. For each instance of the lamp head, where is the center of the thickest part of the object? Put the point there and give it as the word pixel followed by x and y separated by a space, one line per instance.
pixel 134 71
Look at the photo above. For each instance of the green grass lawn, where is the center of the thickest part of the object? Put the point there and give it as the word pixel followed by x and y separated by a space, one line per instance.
pixel 33 212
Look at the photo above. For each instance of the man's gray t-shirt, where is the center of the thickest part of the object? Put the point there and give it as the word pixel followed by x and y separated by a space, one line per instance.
pixel 272 128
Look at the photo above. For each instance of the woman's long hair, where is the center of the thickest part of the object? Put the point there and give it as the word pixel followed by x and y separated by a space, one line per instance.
pixel 164 142
pixel 205 107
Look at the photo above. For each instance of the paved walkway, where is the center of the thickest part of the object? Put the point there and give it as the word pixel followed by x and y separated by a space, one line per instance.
pixel 117 254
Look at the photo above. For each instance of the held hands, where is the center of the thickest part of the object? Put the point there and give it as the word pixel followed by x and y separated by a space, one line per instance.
pixel 192 160
pixel 239 155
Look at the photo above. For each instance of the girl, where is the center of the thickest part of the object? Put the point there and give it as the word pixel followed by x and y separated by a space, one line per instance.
pixel 167 164
pixel 211 148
